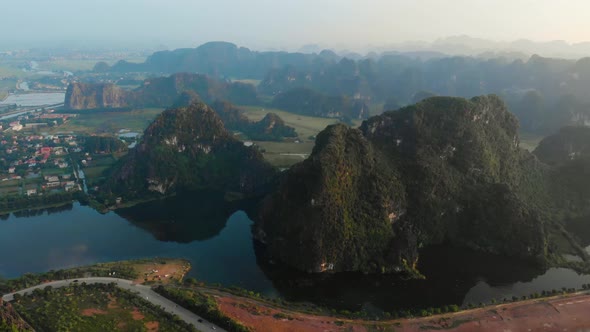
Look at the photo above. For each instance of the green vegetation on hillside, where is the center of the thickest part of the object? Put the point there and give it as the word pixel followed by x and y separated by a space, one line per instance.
pixel 270 128
pixel 103 144
pixel 570 143
pixel 305 126
pixel 157 92
pixel 201 304
pixel 309 102
pixel 187 148
pixel 443 170
pixel 96 307
pixel 11 321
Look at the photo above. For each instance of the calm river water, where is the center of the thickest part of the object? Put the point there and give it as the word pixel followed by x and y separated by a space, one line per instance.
pixel 216 238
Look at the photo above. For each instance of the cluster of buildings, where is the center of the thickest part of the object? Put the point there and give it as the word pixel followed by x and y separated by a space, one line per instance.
pixel 66 181
pixel 35 119
pixel 33 156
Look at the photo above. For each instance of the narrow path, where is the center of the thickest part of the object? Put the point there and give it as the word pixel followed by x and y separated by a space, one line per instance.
pixel 144 291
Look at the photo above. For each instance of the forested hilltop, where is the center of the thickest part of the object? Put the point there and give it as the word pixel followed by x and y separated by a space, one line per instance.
pixel 186 148
pixel 221 59
pixel 445 170
pixel 545 94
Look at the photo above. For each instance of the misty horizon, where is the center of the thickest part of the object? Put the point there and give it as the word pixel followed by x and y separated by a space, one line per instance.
pixel 266 25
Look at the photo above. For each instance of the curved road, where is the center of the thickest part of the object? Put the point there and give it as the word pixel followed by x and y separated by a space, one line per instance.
pixel 143 291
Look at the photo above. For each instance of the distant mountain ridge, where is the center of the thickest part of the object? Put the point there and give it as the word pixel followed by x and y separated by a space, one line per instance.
pixel 374 79
pixel 157 92
pixel 222 59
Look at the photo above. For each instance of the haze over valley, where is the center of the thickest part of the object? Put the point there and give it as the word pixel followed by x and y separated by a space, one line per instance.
pixel 308 166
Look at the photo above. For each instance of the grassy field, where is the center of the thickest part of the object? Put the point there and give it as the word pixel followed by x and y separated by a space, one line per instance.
pixel 530 141
pixel 247 81
pixel 5 85
pixel 376 109
pixel 10 190
pixel 109 122
pixel 10 183
pixel 78 64
pixel 95 168
pixel 130 269
pixel 57 171
pixel 285 154
pixel 69 65
pixel 10 187
pixel 305 126
pixel 7 70
pixel 94 172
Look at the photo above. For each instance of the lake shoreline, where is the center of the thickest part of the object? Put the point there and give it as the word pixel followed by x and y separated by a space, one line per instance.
pixel 556 308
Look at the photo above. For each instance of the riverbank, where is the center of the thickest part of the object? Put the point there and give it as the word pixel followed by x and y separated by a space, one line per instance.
pixel 141 271
pixel 558 313
pixel 124 204
pixel 22 204
pixel 554 312
pixel 37 208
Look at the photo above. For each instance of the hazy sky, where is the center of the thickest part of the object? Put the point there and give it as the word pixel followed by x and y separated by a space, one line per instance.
pixel 289 23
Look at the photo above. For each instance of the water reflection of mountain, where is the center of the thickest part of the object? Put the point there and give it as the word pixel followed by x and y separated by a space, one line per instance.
pixel 39 212
pixel 580 228
pixel 184 218
pixel 450 274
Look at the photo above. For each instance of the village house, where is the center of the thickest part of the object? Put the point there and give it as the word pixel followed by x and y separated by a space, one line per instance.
pixel 51 178
pixel 69 183
pixel 17 127
pixel 53 184
pixel 59 151
pixel 45 151
pixel 31 192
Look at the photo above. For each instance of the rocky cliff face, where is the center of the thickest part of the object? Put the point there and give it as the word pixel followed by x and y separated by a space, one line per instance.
pixel 92 96
pixel 310 102
pixel 158 92
pixel 188 148
pixel 443 170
